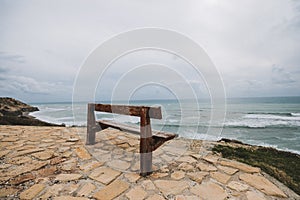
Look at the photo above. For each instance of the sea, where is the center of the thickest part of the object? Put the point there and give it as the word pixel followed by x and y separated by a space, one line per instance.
pixel 268 121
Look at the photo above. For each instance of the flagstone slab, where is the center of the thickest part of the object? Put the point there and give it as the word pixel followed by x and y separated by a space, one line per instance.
pixel 70 198
pixel 262 184
pixel 209 190
pixel 7 191
pixel 197 176
pixel 132 177
pixel 20 160
pixel 119 164
pixel 10 139
pixel 228 170
pixel 187 197
pixel 240 166
pixel 21 179
pixel 211 158
pixel 187 159
pixel 168 187
pixel 68 177
pixel 86 189
pixel 32 192
pixel 221 177
pixel 206 167
pixel 186 167
pixel 52 191
pixel 82 153
pixel 4 153
pixel 26 152
pixel 148 185
pixel 104 175
pixel 47 171
pixel 136 193
pixel 238 186
pixel 155 197
pixel 44 155
pixel 21 169
pixel 177 175
pixel 90 165
pixel 252 195
pixel 112 190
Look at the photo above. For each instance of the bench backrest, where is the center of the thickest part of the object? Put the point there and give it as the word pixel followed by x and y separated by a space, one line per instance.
pixel 151 112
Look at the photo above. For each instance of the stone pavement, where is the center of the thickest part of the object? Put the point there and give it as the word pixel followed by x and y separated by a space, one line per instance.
pixel 53 163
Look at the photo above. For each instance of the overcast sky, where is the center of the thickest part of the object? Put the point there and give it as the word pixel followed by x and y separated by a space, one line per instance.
pixel 255 44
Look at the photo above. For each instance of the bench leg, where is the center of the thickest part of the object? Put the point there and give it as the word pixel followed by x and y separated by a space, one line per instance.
pixel 145 144
pixel 146 164
pixel 91 125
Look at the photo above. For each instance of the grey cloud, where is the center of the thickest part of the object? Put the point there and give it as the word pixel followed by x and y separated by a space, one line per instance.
pixel 3 69
pixel 22 84
pixel 4 56
pixel 18 85
pixel 281 76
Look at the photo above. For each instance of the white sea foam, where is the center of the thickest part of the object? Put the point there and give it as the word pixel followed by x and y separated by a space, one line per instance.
pixel 272 117
pixel 173 120
pixel 295 114
pixel 263 121
pixel 124 119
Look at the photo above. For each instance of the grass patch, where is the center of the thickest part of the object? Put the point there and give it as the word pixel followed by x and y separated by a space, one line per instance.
pixel 284 166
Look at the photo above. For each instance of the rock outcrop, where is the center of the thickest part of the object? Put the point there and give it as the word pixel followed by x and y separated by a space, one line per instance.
pixel 14 112
pixel 13 107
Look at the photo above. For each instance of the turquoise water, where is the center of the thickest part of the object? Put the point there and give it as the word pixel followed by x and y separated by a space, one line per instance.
pixel 260 121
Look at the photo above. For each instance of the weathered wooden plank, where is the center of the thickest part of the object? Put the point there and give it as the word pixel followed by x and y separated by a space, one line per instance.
pixel 158 141
pixel 121 127
pixel 145 143
pixel 162 134
pixel 152 112
pixel 92 127
pixel 135 129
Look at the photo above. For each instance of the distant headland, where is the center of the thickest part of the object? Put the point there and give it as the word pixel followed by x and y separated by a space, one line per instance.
pixel 15 112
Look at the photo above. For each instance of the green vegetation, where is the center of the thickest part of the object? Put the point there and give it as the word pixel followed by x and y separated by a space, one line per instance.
pixel 284 166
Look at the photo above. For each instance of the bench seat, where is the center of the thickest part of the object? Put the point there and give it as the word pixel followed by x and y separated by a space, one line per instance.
pixel 158 137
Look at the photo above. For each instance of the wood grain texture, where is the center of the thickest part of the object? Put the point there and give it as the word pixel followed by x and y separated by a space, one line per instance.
pixel 152 112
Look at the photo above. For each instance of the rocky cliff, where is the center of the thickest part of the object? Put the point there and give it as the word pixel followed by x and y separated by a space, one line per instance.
pixel 14 112
pixel 13 107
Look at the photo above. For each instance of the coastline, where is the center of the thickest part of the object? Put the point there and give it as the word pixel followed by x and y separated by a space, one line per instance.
pixel 14 112
pixel 220 147
pixel 265 122
pixel 282 165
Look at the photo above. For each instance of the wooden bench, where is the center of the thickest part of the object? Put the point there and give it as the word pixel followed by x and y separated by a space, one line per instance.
pixel 149 140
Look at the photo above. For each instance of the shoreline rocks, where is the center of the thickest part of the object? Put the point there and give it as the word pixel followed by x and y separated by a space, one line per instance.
pixel 14 112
